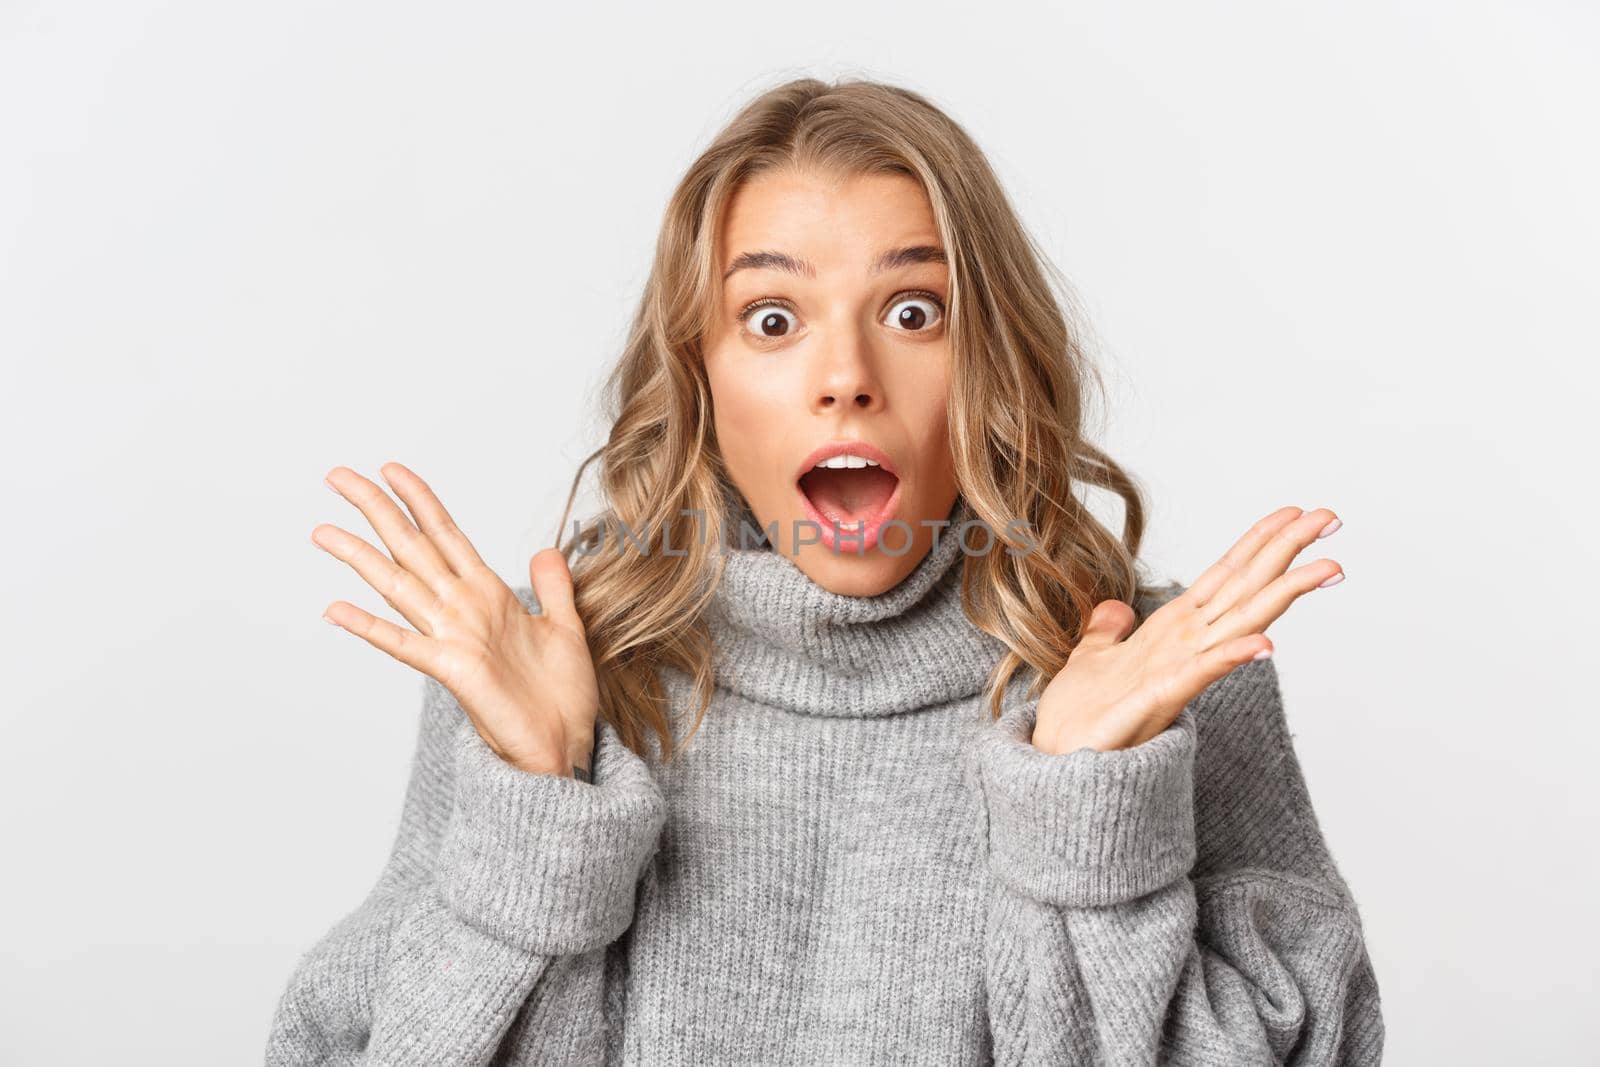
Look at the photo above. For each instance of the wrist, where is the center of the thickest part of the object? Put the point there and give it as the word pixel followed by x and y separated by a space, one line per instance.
pixel 580 760
pixel 560 768
pixel 1062 742
pixel 575 761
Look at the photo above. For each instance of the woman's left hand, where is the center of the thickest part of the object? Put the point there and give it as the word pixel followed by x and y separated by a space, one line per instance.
pixel 1117 690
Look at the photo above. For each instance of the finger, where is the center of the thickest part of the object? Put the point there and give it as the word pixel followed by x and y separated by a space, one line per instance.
pixel 1207 667
pixel 1205 587
pixel 1268 563
pixel 432 518
pixel 410 548
pixel 402 590
pixel 407 646
pixel 1217 661
pixel 1110 621
pixel 552 587
pixel 1267 605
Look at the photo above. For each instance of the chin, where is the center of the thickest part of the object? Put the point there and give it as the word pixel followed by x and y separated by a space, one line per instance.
pixel 855 574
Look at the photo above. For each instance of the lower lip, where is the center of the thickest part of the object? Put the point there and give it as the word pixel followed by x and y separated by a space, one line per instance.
pixel 856 541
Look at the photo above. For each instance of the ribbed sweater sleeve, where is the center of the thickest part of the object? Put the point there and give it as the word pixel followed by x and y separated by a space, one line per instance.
pixel 1174 902
pixel 488 926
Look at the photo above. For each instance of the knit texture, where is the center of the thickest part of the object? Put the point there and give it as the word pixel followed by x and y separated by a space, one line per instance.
pixel 851 862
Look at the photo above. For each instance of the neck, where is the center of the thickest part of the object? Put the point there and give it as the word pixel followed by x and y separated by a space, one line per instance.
pixel 785 641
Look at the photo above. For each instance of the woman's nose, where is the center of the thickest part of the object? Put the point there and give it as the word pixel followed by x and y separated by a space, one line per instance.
pixel 846 379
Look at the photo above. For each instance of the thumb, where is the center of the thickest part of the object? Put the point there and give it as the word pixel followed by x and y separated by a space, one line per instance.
pixel 1109 622
pixel 552 586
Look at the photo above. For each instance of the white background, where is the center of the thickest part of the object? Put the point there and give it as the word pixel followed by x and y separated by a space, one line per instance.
pixel 1340 255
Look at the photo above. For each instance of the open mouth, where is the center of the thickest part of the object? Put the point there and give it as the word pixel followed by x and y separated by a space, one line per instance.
pixel 850 496
pixel 849 490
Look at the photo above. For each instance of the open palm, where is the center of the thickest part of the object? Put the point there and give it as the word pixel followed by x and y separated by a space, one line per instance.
pixel 525 680
pixel 1122 686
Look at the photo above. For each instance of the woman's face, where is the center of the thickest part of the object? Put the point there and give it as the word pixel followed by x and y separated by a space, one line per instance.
pixel 831 338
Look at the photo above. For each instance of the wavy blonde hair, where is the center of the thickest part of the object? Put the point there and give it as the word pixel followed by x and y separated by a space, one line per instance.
pixel 1018 398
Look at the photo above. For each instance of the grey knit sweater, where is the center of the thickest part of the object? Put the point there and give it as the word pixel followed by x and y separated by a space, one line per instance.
pixel 851 863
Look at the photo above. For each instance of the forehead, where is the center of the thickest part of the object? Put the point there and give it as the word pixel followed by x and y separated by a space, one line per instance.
pixel 825 218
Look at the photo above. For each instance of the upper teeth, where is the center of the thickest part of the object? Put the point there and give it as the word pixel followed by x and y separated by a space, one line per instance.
pixel 847 459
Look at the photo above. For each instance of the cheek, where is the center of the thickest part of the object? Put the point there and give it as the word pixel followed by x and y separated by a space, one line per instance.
pixel 730 399
pixel 928 397
pixel 746 408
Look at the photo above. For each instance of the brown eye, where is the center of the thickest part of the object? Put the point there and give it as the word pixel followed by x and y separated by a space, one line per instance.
pixel 915 313
pixel 769 321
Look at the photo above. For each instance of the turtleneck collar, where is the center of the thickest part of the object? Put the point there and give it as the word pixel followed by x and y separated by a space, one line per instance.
pixel 785 641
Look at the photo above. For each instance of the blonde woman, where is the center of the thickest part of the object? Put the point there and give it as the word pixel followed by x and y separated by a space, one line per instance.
pixel 845 732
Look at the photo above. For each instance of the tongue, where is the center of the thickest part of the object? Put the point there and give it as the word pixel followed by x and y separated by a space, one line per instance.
pixel 848 494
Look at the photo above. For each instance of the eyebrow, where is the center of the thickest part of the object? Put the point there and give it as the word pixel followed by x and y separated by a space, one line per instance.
pixel 894 257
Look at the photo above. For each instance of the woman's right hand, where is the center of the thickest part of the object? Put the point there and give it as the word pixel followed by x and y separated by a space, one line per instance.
pixel 526 681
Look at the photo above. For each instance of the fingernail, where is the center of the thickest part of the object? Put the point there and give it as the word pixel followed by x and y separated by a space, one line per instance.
pixel 330 485
pixel 1334 579
pixel 328 620
pixel 1328 529
pixel 1265 653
